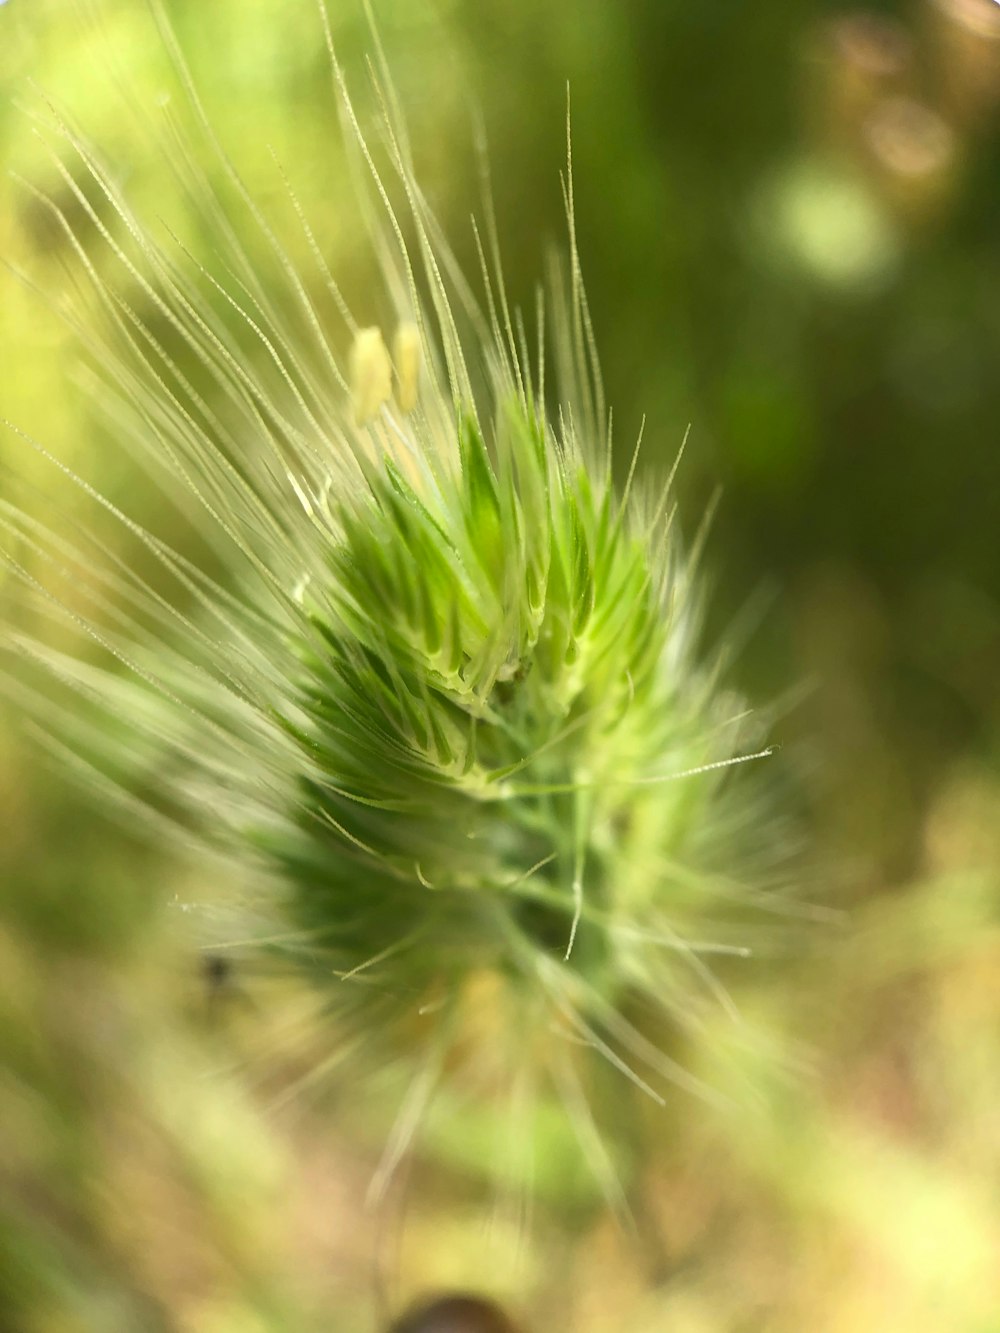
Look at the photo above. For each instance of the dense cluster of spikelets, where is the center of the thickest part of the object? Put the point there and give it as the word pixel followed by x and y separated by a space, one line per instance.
pixel 443 707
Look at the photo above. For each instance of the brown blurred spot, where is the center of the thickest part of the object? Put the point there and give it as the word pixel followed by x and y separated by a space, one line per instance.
pixel 911 139
pixel 876 46
pixel 456 1314
pixel 981 17
pixel 916 154
pixel 965 39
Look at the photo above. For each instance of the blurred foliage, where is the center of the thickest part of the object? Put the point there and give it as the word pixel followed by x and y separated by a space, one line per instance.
pixel 788 218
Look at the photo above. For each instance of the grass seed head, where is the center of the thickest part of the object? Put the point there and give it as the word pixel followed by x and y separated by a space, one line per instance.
pixel 438 693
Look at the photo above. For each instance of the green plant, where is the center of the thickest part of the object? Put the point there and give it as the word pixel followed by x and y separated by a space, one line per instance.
pixel 435 688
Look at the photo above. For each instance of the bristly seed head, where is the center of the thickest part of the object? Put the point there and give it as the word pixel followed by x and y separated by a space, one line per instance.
pixel 447 712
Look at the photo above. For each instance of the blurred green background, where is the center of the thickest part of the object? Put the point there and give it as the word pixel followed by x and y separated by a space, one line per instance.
pixel 788 217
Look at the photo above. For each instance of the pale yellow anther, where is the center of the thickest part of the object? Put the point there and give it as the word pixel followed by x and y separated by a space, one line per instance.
pixel 371 374
pixel 406 354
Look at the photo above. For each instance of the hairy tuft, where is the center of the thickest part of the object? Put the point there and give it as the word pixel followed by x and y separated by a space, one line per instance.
pixel 436 695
